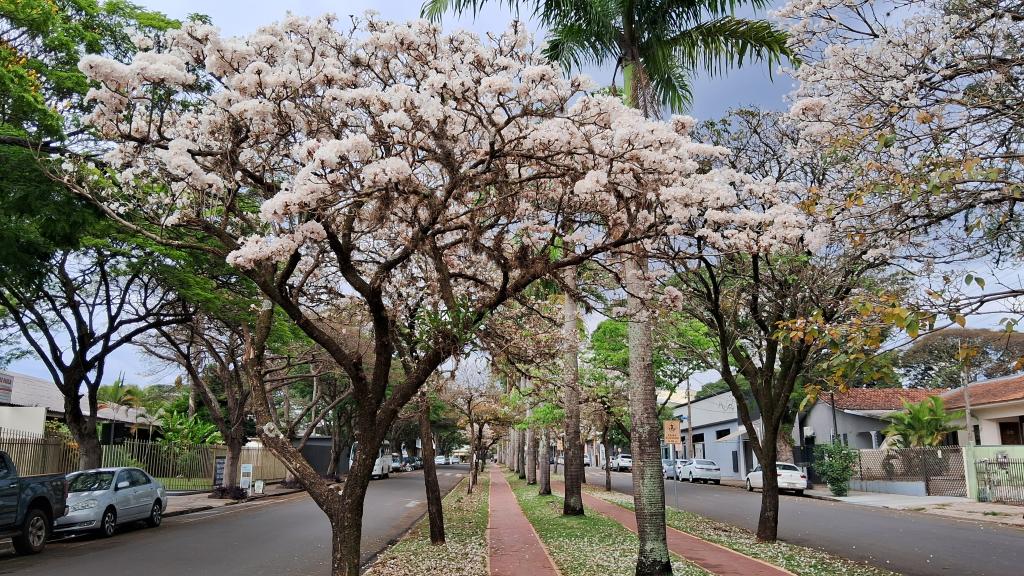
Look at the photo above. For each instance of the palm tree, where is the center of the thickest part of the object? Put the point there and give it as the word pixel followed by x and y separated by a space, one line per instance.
pixel 926 423
pixel 115 397
pixel 657 46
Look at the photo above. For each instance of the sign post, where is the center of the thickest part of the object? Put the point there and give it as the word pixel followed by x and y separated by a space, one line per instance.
pixel 218 470
pixel 672 436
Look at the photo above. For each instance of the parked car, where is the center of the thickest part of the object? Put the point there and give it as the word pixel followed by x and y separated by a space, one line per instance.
pixel 440 460
pixel 103 498
pixel 396 463
pixel 29 505
pixel 453 459
pixel 790 478
pixel 698 470
pixel 668 468
pixel 677 471
pixel 622 461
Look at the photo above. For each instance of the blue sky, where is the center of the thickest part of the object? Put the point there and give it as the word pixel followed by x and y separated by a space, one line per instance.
pixel 712 98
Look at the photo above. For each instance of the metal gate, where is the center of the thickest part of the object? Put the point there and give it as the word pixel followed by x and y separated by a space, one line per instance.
pixel 1000 479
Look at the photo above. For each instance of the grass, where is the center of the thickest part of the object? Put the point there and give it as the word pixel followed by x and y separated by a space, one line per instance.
pixel 799 560
pixel 995 513
pixel 465 550
pixel 584 545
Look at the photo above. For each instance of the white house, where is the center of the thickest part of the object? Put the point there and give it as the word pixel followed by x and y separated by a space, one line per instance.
pixel 997 410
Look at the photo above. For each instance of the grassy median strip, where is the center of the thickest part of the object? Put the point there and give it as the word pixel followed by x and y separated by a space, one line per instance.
pixel 465 550
pixel 584 545
pixel 799 560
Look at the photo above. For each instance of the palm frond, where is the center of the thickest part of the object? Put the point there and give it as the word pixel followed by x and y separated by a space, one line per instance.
pixel 726 43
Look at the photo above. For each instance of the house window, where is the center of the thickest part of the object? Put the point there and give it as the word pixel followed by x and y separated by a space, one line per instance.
pixel 698 438
pixel 977 435
pixel 719 434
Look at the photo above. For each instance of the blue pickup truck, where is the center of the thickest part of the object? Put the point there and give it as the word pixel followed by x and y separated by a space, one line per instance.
pixel 28 506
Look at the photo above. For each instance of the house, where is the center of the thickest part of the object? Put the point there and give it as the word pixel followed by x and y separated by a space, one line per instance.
pixel 718 434
pixel 997 410
pixel 26 402
pixel 856 416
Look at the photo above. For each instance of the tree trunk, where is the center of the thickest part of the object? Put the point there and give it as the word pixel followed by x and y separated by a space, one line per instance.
pixel 573 503
pixel 545 468
pixel 531 456
pixel 435 513
pixel 232 463
pixel 768 523
pixel 648 484
pixel 83 430
pixel 521 455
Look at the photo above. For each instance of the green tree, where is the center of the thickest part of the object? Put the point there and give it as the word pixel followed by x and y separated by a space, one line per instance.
pixel 925 423
pixel 657 45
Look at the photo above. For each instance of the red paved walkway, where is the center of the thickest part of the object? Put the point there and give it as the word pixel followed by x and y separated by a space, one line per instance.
pixel 515 549
pixel 708 555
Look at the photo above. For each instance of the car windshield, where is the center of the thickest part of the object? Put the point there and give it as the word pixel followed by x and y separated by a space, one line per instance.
pixel 668 462
pixel 705 463
pixel 89 481
pixel 787 467
pixel 627 456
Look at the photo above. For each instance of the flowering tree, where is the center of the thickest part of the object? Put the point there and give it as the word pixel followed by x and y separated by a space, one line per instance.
pixel 926 95
pixel 419 176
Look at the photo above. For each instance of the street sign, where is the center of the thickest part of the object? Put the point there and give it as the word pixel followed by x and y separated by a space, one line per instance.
pixel 672 435
pixel 245 479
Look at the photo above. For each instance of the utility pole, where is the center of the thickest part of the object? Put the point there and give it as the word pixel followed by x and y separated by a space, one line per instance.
pixel 689 420
pixel 835 422
pixel 965 382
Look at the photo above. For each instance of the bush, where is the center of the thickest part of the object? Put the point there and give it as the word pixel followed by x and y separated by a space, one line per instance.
pixel 834 463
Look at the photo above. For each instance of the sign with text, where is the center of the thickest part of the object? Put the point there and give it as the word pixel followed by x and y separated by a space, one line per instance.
pixel 672 432
pixel 245 480
pixel 218 470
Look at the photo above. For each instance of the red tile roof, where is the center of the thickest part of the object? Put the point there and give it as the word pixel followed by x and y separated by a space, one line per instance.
pixel 1007 389
pixel 878 398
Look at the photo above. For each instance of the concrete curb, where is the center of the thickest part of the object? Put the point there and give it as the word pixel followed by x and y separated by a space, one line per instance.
pixel 206 507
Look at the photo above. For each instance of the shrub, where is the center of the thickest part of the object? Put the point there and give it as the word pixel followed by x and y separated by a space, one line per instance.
pixel 834 463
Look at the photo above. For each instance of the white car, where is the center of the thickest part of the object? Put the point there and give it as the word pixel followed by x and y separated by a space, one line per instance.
pixel 622 461
pixel 102 499
pixel 790 478
pixel 677 471
pixel 440 460
pixel 698 470
pixel 668 468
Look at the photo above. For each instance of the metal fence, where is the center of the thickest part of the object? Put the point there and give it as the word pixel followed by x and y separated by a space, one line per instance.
pixel 1000 479
pixel 177 467
pixel 940 468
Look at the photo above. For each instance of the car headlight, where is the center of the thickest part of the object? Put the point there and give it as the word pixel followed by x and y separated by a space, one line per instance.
pixel 84 505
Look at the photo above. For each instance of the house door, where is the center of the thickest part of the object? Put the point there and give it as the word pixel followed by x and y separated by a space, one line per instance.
pixel 1009 433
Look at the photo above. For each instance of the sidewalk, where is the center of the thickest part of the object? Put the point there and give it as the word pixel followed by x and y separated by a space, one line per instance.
pixel 514 548
pixel 948 506
pixel 189 503
pixel 709 556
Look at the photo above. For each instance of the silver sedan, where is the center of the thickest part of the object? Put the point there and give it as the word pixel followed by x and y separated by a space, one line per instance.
pixel 101 499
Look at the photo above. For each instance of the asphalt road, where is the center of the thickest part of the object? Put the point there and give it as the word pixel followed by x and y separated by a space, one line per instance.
pixel 910 543
pixel 283 536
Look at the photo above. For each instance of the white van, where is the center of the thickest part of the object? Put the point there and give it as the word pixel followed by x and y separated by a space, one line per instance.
pixel 382 465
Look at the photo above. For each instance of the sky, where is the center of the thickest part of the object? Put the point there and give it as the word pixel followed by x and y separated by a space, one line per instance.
pixel 713 97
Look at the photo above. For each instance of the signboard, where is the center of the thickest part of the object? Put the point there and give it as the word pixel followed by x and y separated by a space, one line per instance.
pixel 672 432
pixel 245 479
pixel 257 487
pixel 218 470
pixel 6 388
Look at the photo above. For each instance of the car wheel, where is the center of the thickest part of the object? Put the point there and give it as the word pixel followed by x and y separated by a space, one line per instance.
pixel 108 523
pixel 32 538
pixel 156 515
pixel 717 482
pixel 691 477
pixel 749 487
pixel 798 492
pixel 386 476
